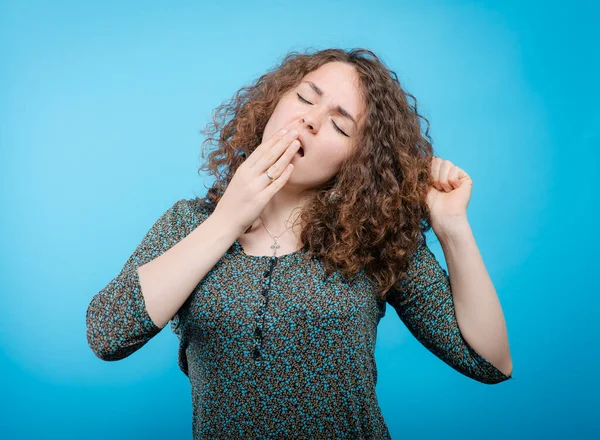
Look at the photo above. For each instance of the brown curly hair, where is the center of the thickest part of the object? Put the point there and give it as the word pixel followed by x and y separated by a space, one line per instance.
pixel 378 215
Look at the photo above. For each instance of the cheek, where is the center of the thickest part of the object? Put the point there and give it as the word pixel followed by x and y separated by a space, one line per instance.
pixel 333 153
pixel 328 160
pixel 279 118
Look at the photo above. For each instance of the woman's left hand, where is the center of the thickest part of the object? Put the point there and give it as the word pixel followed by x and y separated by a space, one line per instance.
pixel 449 194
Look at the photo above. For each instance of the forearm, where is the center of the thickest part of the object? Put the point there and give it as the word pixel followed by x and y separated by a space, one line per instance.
pixel 168 280
pixel 478 310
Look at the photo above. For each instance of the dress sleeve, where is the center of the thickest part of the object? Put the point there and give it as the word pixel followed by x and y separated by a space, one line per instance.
pixel 423 301
pixel 117 321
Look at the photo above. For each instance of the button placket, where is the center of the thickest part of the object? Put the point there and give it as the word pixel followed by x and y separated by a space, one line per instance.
pixel 260 315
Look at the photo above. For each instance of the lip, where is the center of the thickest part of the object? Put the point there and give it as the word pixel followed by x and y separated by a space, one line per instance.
pixel 302 144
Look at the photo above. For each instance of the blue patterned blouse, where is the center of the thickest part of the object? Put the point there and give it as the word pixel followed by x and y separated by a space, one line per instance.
pixel 271 347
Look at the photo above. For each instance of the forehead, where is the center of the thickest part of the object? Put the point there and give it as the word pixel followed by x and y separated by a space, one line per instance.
pixel 340 84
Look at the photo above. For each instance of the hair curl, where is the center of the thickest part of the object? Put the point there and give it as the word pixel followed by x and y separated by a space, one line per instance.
pixel 378 214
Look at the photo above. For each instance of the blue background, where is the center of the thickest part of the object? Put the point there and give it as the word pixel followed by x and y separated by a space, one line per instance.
pixel 101 104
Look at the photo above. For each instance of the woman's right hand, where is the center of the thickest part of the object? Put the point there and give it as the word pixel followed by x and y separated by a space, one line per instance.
pixel 250 189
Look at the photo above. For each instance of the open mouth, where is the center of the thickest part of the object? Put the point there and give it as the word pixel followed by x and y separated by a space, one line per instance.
pixel 301 151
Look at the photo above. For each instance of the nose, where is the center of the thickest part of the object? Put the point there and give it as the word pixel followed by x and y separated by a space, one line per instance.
pixel 307 121
pixel 297 123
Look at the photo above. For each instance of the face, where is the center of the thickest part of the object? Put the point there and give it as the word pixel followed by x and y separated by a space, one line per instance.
pixel 326 109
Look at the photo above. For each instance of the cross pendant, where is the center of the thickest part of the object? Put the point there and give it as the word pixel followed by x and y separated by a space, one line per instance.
pixel 275 246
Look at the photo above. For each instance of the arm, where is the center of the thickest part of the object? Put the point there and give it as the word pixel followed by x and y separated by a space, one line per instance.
pixel 424 302
pixel 154 282
pixel 478 309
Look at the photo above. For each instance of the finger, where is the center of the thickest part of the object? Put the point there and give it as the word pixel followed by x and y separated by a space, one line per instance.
pixel 268 145
pixel 269 157
pixel 276 169
pixel 279 182
pixel 443 178
pixel 265 146
pixel 435 173
pixel 453 177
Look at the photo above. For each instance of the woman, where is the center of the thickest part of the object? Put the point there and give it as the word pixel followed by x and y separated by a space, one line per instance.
pixel 275 282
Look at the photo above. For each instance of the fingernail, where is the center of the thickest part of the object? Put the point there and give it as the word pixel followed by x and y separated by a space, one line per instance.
pixel 282 132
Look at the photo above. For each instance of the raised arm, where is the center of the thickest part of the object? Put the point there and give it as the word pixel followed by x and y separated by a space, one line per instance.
pixel 423 301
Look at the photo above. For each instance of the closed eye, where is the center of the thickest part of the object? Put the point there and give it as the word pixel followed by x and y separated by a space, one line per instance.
pixel 336 127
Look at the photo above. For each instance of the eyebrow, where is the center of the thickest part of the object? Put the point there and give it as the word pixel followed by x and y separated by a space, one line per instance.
pixel 342 111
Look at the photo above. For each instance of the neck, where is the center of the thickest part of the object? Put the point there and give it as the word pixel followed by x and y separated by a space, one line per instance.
pixel 282 211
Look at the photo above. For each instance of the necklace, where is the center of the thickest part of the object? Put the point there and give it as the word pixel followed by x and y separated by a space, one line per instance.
pixel 275 245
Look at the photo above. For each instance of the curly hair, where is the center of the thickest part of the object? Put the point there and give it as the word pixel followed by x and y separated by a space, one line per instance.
pixel 372 214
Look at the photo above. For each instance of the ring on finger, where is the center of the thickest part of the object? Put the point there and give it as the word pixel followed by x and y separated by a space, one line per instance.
pixel 269 176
